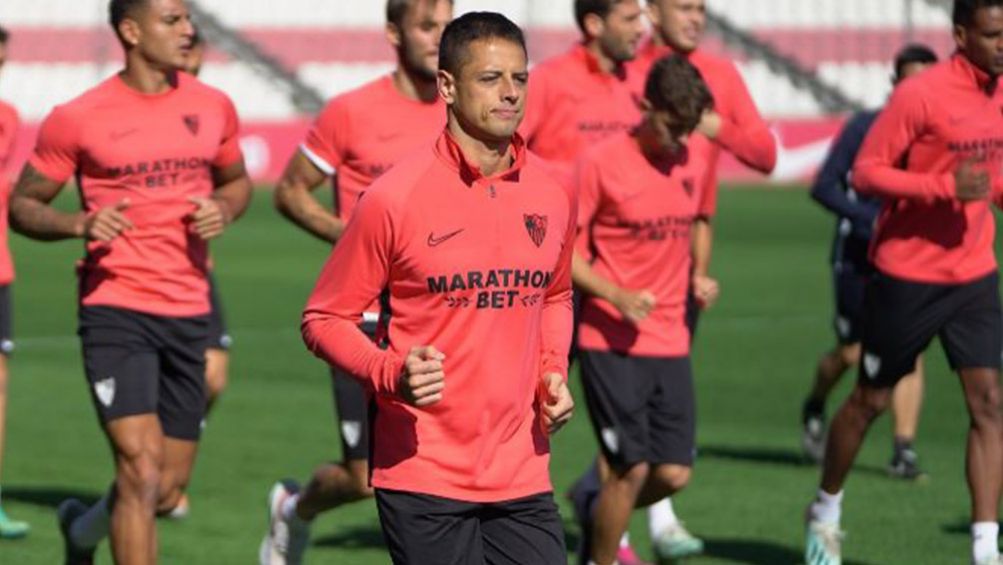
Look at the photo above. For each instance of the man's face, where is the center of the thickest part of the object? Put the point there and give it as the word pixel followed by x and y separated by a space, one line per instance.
pixel 622 30
pixel 982 41
pixel 162 31
pixel 680 23
pixel 417 40
pixel 488 95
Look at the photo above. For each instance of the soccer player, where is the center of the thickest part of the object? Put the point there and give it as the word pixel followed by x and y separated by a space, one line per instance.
pixel 584 96
pixel 469 240
pixel 8 130
pixel 356 138
pixel 156 157
pixel 640 194
pixel 850 268
pixel 933 155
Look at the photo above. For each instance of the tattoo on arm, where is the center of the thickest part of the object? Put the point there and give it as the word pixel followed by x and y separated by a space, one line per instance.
pixel 31 213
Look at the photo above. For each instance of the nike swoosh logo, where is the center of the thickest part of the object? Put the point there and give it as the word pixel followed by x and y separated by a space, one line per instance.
pixel 433 241
pixel 796 163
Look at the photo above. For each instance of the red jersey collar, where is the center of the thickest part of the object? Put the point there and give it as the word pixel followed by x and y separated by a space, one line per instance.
pixel 963 66
pixel 449 151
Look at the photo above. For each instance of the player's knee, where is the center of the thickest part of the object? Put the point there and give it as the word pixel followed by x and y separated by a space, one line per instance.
pixel 635 475
pixel 984 404
pixel 674 477
pixel 139 476
pixel 869 403
pixel 849 355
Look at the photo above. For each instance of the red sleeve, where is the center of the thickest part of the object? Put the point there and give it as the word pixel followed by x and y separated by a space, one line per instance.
pixel 355 274
pixel 557 318
pixel 325 142
pixel 57 149
pixel 589 194
pixel 229 146
pixel 901 122
pixel 708 194
pixel 743 131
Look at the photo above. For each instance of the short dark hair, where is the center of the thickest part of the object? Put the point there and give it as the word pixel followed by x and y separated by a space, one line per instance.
pixel 119 10
pixel 4 35
pixel 397 9
pixel 471 27
pixel 601 8
pixel 964 10
pixel 913 53
pixel 676 86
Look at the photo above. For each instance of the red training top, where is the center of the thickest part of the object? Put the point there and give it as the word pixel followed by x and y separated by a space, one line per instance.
pixel 636 218
pixel 157 151
pixel 572 104
pixel 8 132
pixel 360 134
pixel 932 123
pixel 480 268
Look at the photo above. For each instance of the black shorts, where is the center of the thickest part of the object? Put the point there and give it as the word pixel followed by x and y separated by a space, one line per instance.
pixel 6 313
pixel 139 363
pixel 850 284
pixel 902 317
pixel 421 529
pixel 643 409
pixel 219 336
pixel 352 405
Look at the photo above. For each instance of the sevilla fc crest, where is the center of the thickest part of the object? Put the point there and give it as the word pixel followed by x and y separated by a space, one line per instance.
pixel 192 123
pixel 688 186
pixel 536 226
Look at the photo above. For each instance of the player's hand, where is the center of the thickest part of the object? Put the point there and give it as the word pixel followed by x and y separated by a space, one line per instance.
pixel 635 306
pixel 710 124
pixel 705 290
pixel 107 223
pixel 971 183
pixel 422 379
pixel 556 404
pixel 209 218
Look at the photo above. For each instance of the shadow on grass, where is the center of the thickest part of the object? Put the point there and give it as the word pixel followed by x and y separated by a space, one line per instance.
pixel 757 552
pixel 48 496
pixel 358 537
pixel 961 527
pixel 773 456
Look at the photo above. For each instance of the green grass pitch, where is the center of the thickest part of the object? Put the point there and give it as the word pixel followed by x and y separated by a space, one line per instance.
pixel 754 357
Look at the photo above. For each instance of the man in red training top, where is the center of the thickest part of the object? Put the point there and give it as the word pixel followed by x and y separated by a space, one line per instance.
pixel 640 194
pixel 160 173
pixel 469 242
pixel 584 95
pixel 934 155
pixel 356 138
pixel 9 124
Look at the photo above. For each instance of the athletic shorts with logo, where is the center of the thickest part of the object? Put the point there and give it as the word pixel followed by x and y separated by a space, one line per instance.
pixel 6 314
pixel 902 317
pixel 430 530
pixel 352 405
pixel 851 270
pixel 643 409
pixel 140 363
pixel 219 335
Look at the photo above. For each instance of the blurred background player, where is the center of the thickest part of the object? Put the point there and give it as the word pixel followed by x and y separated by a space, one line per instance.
pixel 470 241
pixel 640 194
pixel 217 353
pixel 9 124
pixel 933 157
pixel 160 172
pixel 856 216
pixel 356 138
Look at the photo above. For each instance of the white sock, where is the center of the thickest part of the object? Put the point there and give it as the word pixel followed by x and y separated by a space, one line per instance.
pixel 288 510
pixel 625 540
pixel 92 526
pixel 827 507
pixel 661 517
pixel 984 540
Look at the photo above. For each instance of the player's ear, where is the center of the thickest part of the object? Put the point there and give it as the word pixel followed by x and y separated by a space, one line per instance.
pixel 594 26
pixel 960 35
pixel 394 35
pixel 129 31
pixel 446 83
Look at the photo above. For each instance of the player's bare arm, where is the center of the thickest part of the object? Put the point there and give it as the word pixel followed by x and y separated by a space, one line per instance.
pixel 32 215
pixel 423 379
pixel 295 200
pixel 706 289
pixel 635 305
pixel 556 403
pixel 710 124
pixel 227 203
